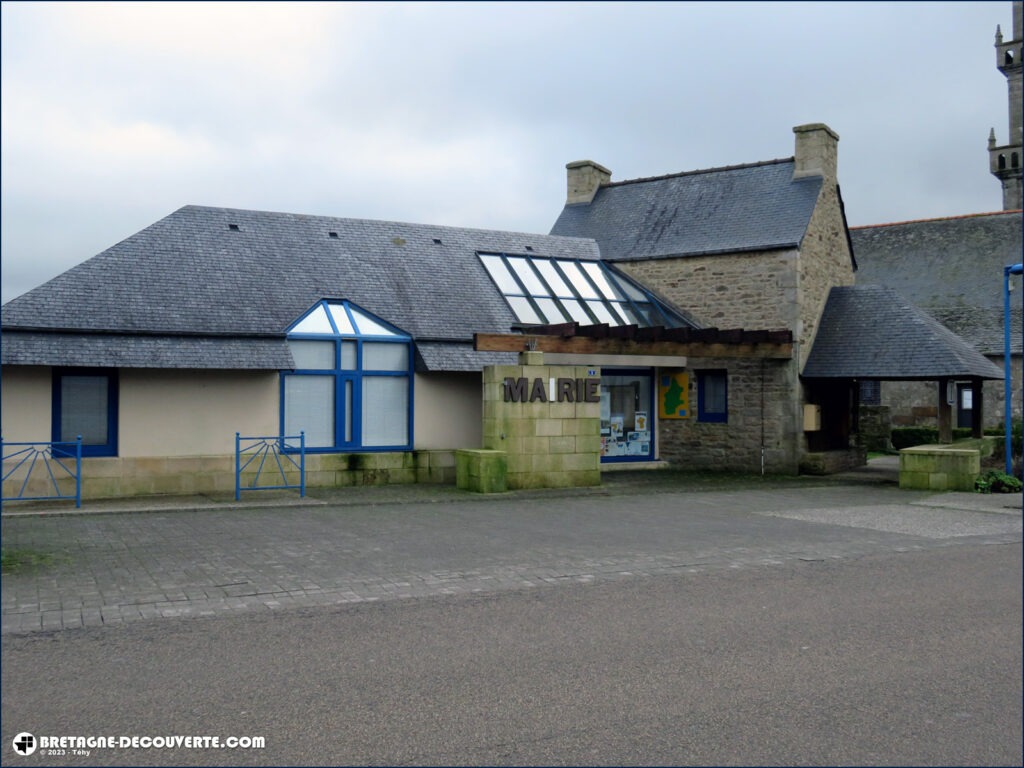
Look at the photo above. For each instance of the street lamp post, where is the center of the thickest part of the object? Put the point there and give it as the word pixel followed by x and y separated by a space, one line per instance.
pixel 1013 269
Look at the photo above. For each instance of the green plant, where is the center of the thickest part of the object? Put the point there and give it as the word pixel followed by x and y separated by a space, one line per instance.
pixel 995 481
pixel 907 437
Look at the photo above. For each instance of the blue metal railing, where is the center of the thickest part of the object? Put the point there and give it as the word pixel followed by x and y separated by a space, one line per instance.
pixel 280 450
pixel 53 463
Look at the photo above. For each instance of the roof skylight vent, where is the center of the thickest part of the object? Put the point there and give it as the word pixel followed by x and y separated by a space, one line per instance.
pixel 332 234
pixel 437 241
pixel 529 248
pixel 233 227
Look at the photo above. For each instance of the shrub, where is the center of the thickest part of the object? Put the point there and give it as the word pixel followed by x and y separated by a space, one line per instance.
pixel 995 481
pixel 907 437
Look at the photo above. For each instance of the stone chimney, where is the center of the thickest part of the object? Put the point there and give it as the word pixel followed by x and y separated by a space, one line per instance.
pixel 583 177
pixel 817 148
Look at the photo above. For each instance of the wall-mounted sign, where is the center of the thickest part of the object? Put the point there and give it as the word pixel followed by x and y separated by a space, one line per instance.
pixel 674 395
pixel 553 390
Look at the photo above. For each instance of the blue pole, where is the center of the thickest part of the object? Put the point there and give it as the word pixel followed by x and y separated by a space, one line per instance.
pixel 1007 374
pixel 238 470
pixel 1013 269
pixel 302 463
pixel 78 472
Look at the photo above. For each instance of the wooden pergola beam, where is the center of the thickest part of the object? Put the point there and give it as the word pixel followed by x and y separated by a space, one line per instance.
pixel 583 345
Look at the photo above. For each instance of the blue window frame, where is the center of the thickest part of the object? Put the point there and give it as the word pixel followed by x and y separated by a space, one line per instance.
pixel 352 385
pixel 85 403
pixel 712 396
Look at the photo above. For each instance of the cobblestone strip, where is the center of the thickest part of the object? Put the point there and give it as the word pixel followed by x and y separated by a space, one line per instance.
pixel 70 611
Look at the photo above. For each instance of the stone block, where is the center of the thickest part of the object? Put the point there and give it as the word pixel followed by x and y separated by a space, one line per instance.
pixel 562 444
pixel 547 464
pixel 537 446
pixel 345 478
pixel 101 488
pixel 548 427
pixel 320 478
pixel 522 481
pixel 579 479
pixel 442 459
pixel 379 461
pixel 404 476
pixel 480 470
pixel 148 466
pixel 939 467
pixel 576 462
pixel 331 462
pixel 556 479
pixel 521 428
pixel 562 410
pixel 102 467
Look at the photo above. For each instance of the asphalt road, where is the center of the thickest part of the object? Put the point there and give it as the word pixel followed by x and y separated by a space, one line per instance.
pixel 893 658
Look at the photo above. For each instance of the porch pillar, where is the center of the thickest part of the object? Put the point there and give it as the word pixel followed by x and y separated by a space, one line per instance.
pixel 945 413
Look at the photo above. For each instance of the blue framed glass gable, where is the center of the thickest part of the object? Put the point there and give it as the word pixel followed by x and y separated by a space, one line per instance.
pixel 352 385
pixel 543 291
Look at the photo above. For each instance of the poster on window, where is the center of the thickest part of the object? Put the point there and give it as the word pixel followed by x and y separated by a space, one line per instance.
pixel 674 395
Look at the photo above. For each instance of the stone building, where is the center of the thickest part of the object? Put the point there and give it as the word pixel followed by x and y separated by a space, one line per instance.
pixel 748 246
pixel 1006 161
pixel 953 269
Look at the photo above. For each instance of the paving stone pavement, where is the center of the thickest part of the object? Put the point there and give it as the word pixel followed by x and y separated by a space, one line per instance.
pixel 136 560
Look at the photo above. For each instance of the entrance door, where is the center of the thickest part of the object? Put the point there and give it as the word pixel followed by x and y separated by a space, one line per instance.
pixel 626 417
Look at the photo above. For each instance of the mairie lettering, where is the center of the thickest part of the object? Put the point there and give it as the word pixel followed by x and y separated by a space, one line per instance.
pixel 565 390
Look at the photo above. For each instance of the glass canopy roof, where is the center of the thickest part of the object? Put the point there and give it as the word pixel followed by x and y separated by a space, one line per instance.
pixel 549 291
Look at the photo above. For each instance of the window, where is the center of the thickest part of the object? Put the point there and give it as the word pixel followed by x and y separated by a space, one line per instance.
pixel 712 396
pixel 85 403
pixel 626 428
pixel 351 388
pixel 550 291
pixel 870 392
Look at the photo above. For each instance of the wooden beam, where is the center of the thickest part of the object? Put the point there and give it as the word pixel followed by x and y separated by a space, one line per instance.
pixel 516 342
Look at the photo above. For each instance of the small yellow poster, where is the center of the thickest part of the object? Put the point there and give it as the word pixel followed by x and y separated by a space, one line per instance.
pixel 674 395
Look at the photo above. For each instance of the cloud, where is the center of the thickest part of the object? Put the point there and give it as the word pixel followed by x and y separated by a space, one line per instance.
pixel 116 114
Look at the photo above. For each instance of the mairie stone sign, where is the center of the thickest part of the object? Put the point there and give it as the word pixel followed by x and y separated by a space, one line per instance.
pixel 554 390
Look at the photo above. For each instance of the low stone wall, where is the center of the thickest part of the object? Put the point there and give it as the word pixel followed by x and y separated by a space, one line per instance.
pixel 940 467
pixel 831 462
pixel 115 477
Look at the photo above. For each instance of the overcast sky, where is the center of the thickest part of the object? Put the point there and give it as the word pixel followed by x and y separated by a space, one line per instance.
pixel 114 115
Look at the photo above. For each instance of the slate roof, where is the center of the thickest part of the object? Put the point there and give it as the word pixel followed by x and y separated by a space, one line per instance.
pixel 872 332
pixel 722 210
pixel 952 268
pixel 124 351
pixel 190 291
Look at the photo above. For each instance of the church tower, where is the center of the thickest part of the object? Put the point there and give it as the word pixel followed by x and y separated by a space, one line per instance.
pixel 1005 161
